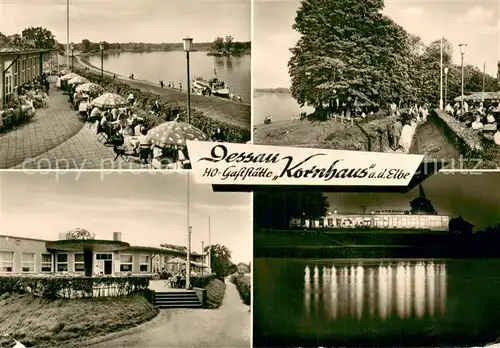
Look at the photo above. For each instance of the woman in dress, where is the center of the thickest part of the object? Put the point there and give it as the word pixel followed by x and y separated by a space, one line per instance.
pixel 406 137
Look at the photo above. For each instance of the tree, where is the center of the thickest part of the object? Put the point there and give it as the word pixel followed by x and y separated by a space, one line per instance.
pixel 228 43
pixel 347 53
pixel 42 38
pixel 86 46
pixel 79 234
pixel 218 44
pixel 220 260
pixel 275 209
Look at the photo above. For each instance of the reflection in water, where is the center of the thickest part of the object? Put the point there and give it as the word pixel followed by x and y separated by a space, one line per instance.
pixel 405 289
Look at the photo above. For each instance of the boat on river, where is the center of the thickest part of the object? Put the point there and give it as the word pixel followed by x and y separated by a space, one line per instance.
pixel 210 87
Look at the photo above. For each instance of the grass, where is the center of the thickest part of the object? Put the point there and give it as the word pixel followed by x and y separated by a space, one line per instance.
pixel 327 134
pixel 37 322
pixel 216 289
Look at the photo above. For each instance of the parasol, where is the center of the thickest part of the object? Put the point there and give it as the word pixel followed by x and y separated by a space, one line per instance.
pixel 176 260
pixel 78 80
pixel 69 76
pixel 90 88
pixel 109 100
pixel 175 133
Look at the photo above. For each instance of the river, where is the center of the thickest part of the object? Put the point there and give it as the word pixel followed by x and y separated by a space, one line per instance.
pixel 278 106
pixel 379 302
pixel 171 66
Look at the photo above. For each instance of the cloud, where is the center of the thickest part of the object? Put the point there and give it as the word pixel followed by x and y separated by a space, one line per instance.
pixel 413 11
pixel 476 15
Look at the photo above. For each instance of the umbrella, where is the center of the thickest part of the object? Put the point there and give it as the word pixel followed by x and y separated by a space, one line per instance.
pixel 78 80
pixel 109 100
pixel 174 133
pixel 69 76
pixel 176 260
pixel 90 88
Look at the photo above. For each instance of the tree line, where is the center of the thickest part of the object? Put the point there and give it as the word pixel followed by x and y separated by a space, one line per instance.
pixel 363 54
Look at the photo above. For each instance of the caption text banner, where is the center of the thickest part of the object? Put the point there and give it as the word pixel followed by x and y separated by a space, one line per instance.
pixel 246 164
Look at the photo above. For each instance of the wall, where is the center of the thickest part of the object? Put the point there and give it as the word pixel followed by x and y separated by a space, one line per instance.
pixel 20 245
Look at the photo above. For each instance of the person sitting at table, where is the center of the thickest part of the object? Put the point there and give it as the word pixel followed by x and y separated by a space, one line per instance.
pixel 144 147
pixel 114 114
pixel 77 97
pixel 138 129
pixel 156 163
pixel 94 113
pixel 477 125
pixel 490 118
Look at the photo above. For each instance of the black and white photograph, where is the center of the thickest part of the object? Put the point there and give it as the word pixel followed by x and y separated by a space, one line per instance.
pixel 392 76
pixel 121 84
pixel 415 269
pixel 119 259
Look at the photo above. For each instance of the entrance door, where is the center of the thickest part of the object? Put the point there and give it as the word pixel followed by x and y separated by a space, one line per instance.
pixel 108 266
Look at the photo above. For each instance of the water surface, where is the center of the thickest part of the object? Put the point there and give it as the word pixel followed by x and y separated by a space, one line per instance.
pixel 278 106
pixel 171 66
pixel 376 302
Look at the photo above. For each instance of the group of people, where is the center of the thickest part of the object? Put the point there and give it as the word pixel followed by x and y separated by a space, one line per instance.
pixel 401 131
pixel 26 99
pixel 476 115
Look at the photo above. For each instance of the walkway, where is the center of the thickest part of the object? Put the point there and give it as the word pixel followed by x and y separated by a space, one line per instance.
pixel 228 326
pixel 51 127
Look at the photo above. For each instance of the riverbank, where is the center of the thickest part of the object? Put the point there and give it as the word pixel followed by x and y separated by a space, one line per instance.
pixel 40 323
pixel 207 113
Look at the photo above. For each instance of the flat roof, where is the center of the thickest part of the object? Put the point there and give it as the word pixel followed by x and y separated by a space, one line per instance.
pixel 159 250
pixel 26 238
pixel 13 52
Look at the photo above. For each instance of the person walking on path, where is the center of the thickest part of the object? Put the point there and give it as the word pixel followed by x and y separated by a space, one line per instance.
pixel 397 129
pixel 406 137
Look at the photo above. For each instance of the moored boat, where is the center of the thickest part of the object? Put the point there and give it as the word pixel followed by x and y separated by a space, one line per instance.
pixel 210 87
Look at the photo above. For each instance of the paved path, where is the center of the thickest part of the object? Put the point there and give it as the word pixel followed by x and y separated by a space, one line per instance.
pixel 51 127
pixel 228 326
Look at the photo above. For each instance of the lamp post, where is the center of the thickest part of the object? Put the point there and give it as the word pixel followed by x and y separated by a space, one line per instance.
pixel 462 52
pixel 101 47
pixel 202 256
pixel 187 48
pixel 188 262
pixel 441 79
pixel 72 57
pixel 446 85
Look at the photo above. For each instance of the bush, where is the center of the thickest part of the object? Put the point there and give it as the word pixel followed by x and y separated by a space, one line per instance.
pixel 243 284
pixel 168 111
pixel 70 287
pixel 202 281
pixel 216 289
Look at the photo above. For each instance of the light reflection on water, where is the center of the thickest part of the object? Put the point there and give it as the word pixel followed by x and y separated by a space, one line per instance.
pixel 402 289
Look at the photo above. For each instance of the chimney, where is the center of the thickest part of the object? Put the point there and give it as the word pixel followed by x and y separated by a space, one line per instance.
pixel 117 236
pixel 62 236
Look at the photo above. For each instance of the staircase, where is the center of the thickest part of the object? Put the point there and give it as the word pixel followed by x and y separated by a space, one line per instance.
pixel 177 299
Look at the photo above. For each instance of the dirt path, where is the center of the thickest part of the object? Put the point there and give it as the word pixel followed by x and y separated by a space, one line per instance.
pixel 228 326
pixel 219 109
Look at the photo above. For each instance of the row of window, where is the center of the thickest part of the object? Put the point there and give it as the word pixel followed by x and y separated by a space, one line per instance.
pixel 22 71
pixel 28 264
pixel 394 221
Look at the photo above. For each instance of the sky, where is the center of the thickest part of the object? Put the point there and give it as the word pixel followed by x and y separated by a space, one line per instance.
pixel 153 21
pixel 149 209
pixel 474 22
pixel 476 197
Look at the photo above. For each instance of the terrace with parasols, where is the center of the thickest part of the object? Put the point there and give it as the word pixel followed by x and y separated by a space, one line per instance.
pixel 119 124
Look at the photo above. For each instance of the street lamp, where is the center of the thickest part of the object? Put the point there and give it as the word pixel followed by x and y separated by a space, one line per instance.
pixel 101 47
pixel 446 69
pixel 187 48
pixel 188 262
pixel 72 57
pixel 462 52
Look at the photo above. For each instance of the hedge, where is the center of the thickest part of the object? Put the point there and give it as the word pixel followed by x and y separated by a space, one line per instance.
pixel 72 287
pixel 242 283
pixel 168 110
pixel 215 287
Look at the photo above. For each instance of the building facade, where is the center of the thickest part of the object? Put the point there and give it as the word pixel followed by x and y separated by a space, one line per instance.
pixel 18 68
pixel 19 255
pixel 376 220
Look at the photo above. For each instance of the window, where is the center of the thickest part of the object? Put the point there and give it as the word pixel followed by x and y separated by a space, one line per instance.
pixel 16 74
pixel 46 264
pixel 104 256
pixel 62 262
pixel 126 262
pixel 23 71
pixel 28 260
pixel 79 263
pixel 156 264
pixel 144 263
pixel 6 261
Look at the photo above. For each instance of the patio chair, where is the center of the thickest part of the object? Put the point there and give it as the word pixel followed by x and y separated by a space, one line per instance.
pixel 119 150
pixel 101 132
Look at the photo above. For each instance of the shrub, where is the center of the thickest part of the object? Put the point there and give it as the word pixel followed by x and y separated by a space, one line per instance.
pixel 216 289
pixel 169 110
pixel 242 283
pixel 71 287
pixel 202 281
